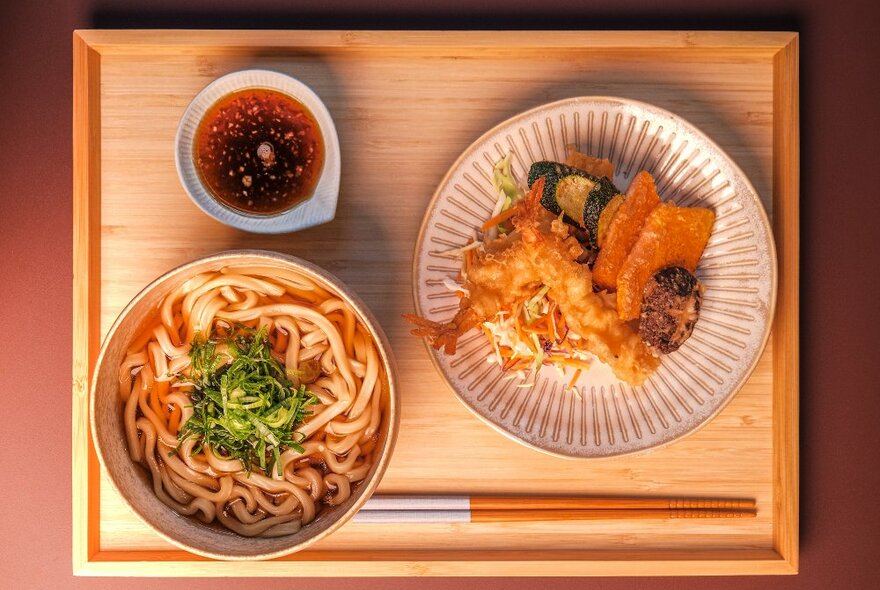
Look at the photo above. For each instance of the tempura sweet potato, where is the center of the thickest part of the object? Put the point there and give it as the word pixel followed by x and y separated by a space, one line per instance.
pixel 623 231
pixel 671 236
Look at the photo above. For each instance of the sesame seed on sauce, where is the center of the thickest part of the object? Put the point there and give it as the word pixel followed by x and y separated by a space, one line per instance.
pixel 259 151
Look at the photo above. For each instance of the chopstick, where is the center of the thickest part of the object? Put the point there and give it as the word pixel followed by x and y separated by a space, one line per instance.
pixel 438 502
pixel 441 509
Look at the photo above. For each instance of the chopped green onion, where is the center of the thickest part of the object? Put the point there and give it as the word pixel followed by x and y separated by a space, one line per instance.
pixel 247 409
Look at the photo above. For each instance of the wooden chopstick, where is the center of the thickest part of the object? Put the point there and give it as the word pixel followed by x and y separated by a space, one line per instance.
pixel 604 503
pixel 427 508
pixel 602 514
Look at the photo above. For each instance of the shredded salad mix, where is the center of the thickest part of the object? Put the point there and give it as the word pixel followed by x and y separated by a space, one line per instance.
pixel 533 332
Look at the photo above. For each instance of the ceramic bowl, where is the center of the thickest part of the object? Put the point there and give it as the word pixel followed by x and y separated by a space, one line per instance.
pixel 133 482
pixel 319 208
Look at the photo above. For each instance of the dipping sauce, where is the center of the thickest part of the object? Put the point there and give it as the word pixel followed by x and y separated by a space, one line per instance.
pixel 259 151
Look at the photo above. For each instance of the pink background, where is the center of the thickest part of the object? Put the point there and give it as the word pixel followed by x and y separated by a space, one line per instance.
pixel 840 397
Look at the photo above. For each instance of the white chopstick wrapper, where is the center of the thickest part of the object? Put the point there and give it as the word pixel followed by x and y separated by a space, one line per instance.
pixel 391 509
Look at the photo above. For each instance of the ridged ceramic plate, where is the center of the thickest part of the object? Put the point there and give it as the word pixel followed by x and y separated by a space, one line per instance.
pixel 603 416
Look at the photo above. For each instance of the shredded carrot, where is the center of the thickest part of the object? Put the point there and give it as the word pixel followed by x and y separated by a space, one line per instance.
pixel 538 329
pixel 574 378
pixel 562 327
pixel 538 326
pixel 534 335
pixel 500 218
pixel 515 311
pixel 574 363
pixel 513 364
pixel 552 321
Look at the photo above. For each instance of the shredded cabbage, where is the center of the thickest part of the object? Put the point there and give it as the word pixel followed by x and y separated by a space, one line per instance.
pixel 505 182
pixel 516 346
pixel 507 188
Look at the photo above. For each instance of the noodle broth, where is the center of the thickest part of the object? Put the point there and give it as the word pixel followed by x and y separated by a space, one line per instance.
pixel 306 329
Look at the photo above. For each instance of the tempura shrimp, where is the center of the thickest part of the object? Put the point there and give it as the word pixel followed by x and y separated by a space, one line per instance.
pixel 541 252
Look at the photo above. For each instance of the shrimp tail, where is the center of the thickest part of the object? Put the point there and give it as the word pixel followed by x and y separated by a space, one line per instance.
pixel 497 280
pixel 444 335
pixel 530 209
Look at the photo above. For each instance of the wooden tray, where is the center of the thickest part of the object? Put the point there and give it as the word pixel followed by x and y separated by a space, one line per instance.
pixel 406 104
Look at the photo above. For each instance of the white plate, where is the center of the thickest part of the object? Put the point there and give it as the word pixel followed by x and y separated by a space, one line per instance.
pixel 604 416
pixel 315 210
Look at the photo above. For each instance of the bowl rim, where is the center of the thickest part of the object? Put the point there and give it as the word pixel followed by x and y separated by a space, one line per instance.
pixel 385 354
pixel 319 207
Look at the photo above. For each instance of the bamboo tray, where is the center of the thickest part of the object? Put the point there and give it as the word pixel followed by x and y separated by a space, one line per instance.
pixel 406 104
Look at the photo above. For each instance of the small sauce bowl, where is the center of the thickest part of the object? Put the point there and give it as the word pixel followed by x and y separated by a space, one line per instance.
pixel 259 168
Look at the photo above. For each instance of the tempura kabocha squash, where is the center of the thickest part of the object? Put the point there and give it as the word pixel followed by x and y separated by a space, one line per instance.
pixel 671 236
pixel 624 229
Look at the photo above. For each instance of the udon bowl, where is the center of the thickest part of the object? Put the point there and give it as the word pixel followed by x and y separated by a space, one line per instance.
pixel 133 482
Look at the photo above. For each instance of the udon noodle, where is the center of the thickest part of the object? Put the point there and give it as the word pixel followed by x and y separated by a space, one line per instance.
pixel 303 322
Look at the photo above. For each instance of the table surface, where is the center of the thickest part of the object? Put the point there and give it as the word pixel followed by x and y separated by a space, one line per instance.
pixel 839 401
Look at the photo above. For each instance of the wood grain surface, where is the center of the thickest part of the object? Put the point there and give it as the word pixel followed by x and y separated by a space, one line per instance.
pixel 405 106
